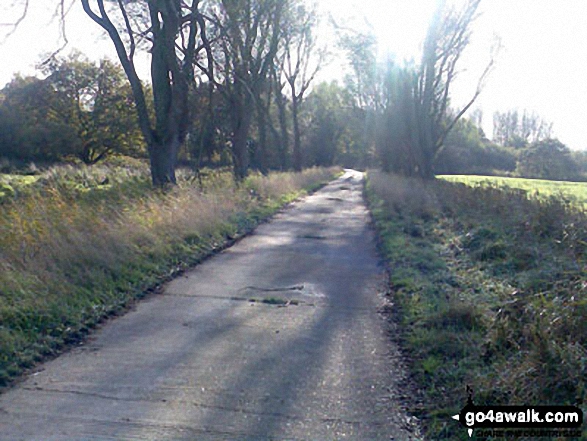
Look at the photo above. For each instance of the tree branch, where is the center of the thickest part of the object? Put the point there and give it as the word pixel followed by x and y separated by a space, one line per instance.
pixel 137 88
pixel 18 21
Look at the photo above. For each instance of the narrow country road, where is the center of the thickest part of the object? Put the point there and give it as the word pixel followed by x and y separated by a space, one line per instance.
pixel 276 338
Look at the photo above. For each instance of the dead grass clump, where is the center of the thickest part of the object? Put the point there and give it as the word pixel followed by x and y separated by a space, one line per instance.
pixel 275 185
pixel 406 197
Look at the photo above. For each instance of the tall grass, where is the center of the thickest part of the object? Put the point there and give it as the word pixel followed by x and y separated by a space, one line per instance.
pixel 76 247
pixel 490 287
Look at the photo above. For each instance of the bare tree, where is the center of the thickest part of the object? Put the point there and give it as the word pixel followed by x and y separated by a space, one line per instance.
pixel 511 129
pixel 361 51
pixel 282 112
pixel 505 126
pixel 172 30
pixel 245 44
pixel 301 62
pixel 12 25
pixel 476 116
pixel 448 36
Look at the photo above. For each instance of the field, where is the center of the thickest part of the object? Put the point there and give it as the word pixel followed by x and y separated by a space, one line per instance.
pixel 489 287
pixel 78 244
pixel 572 192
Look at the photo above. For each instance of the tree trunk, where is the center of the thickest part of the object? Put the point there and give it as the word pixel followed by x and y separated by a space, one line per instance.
pixel 163 158
pixel 284 141
pixel 261 152
pixel 240 151
pixel 297 150
pixel 425 168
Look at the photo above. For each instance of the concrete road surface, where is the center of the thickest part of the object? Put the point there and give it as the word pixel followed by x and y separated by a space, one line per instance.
pixel 208 359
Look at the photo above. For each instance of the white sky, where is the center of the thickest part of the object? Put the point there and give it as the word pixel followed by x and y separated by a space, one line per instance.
pixel 543 66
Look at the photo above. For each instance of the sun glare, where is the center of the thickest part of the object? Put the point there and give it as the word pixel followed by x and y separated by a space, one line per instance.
pixel 401 26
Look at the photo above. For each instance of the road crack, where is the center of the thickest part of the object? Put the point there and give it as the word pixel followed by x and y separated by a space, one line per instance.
pixel 192 403
pixel 256 288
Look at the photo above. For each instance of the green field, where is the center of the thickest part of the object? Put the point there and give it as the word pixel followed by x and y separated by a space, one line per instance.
pixel 573 192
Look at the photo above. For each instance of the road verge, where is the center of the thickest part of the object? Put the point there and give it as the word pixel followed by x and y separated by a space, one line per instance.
pixel 71 258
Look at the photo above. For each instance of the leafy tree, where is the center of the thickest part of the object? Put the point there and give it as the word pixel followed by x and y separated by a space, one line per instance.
pixel 396 121
pixel 361 50
pixel 466 151
pixel 325 124
pixel 364 97
pixel 334 128
pixel 580 159
pixel 414 115
pixel 30 128
pixel 448 36
pixel 281 104
pixel 97 103
pixel 357 149
pixel 80 109
pixel 210 129
pixel 548 159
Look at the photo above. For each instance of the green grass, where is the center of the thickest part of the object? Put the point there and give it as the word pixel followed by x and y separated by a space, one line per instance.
pixel 75 250
pixel 488 285
pixel 572 192
pixel 10 183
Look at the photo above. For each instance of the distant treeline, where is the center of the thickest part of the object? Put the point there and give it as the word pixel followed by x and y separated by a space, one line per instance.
pixel 78 110
pixel 516 150
pixel 84 110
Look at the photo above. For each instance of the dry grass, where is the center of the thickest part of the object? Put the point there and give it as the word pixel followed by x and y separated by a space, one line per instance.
pixel 277 184
pixel 490 288
pixel 73 251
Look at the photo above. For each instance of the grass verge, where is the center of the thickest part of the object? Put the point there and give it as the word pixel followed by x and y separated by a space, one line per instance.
pixel 489 288
pixel 77 247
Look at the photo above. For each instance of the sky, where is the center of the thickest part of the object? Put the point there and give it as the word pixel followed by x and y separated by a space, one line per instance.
pixel 542 66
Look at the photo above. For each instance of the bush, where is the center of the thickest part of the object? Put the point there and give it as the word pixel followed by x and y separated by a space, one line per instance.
pixel 548 159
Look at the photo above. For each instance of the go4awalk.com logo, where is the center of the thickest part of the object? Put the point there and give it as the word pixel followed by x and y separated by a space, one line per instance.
pixel 553 421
